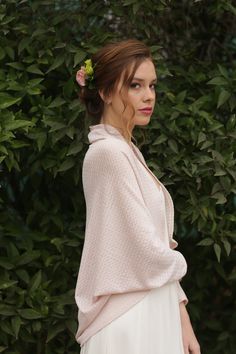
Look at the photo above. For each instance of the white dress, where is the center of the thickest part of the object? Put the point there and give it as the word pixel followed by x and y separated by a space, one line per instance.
pixel 153 325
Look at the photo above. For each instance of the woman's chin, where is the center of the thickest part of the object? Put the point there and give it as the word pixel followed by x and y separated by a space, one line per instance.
pixel 142 121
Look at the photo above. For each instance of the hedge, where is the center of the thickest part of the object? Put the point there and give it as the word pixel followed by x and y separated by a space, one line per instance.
pixel 189 144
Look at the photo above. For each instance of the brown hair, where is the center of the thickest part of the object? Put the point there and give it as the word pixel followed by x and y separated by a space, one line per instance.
pixel 111 62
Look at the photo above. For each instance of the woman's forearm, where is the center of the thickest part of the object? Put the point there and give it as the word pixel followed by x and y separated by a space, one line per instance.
pixel 184 314
pixel 190 341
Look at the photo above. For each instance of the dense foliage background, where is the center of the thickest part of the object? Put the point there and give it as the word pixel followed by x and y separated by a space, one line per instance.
pixel 189 144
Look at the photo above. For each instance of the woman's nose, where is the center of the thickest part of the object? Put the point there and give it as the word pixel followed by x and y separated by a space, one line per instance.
pixel 149 94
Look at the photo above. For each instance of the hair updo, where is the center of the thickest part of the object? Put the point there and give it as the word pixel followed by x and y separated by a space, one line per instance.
pixel 109 63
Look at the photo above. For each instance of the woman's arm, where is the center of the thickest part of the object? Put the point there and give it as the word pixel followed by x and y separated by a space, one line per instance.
pixel 191 345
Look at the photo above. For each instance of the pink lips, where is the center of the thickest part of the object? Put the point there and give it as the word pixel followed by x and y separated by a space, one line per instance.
pixel 146 110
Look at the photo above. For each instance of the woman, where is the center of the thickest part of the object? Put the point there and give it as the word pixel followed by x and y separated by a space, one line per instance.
pixel 128 289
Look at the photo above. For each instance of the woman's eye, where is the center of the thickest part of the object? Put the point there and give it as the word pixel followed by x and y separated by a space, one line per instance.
pixel 153 86
pixel 135 85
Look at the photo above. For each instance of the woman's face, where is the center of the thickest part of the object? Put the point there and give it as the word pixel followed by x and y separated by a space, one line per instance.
pixel 140 95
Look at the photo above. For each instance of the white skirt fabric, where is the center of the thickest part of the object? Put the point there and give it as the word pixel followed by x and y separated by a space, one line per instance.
pixel 151 326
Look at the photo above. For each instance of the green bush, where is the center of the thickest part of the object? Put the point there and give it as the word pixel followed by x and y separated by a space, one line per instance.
pixel 189 144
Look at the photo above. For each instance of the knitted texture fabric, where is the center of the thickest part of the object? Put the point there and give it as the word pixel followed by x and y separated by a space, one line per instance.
pixel 128 247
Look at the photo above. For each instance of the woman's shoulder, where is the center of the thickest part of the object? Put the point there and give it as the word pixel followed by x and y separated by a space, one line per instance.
pixel 107 148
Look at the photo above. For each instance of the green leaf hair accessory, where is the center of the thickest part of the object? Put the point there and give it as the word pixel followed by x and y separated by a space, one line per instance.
pixel 89 68
pixel 84 76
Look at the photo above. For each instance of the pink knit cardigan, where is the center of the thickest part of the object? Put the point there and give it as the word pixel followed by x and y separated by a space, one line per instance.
pixel 123 258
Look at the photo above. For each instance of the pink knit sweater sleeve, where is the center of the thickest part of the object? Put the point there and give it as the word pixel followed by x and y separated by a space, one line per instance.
pixel 122 251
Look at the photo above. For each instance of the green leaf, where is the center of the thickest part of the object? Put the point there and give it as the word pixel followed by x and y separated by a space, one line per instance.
pixel 220 172
pixel 223 336
pixel 34 69
pixel 2 53
pixel 79 56
pixel 4 263
pixel 41 139
pixel 220 198
pixel 206 144
pixel 68 87
pixel 223 71
pixel 129 2
pixel 7 284
pixel 226 183
pixel 35 82
pixel 218 81
pixel 23 44
pixel 75 148
pixel 3 150
pixel 232 276
pixel 10 52
pixel 37 326
pixel 16 65
pixel 34 91
pixel 48 163
pixel 58 101
pixel 227 246
pixel 230 7
pixel 29 314
pixel 35 281
pixel 71 324
pixel 7 310
pixel 136 7
pixel 216 188
pixel 161 138
pixel 23 275
pixel 218 156
pixel 201 137
pixel 70 132
pixel 205 242
pixel 232 102
pixel 181 96
pixel 171 96
pixel 215 126
pixel 54 330
pixel 66 165
pixel 28 257
pixel 223 97
pixel 39 31
pixel 16 323
pixel 17 144
pixel 217 250
pixel 7 101
pixel 7 20
pixel 232 173
pixel 173 145
pixel 16 124
pixel 57 62
pixel 204 159
pixel 6 327
pixel 186 170
pixel 56 126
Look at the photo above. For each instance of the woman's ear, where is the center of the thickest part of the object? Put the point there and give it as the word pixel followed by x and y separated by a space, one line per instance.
pixel 101 94
pixel 106 99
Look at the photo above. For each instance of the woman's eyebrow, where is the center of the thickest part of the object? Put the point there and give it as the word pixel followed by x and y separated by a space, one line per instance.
pixel 141 80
